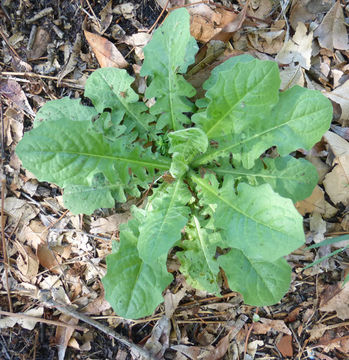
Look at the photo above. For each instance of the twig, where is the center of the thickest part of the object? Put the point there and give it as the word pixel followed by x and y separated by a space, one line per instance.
pixel 3 189
pixel 46 298
pixel 4 249
pixel 46 321
pixel 5 348
pixel 248 334
pixel 159 17
pixel 13 51
pixel 35 344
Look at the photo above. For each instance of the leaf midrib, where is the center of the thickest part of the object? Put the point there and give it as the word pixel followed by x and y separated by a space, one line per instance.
pixel 153 163
pixel 240 172
pixel 125 105
pixel 230 205
pixel 213 154
pixel 202 244
pixel 233 106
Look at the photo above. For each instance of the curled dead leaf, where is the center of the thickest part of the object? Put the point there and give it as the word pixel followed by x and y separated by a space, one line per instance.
pixel 106 52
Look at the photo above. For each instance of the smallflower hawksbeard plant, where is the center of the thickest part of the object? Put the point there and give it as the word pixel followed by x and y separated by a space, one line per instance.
pixel 219 202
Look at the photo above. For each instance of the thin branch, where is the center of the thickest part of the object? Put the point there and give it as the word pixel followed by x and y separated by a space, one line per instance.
pixel 46 298
pixel 46 321
pixel 3 189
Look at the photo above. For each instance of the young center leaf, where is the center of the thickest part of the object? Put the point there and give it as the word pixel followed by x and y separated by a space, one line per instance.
pixel 198 262
pixel 169 53
pixel 185 144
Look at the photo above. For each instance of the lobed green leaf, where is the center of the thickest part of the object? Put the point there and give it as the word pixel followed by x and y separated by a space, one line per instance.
pixel 115 93
pixel 64 109
pixel 198 262
pixel 256 220
pixel 169 53
pixel 291 178
pixel 239 98
pixel 132 287
pixel 298 121
pixel 68 153
pixel 167 215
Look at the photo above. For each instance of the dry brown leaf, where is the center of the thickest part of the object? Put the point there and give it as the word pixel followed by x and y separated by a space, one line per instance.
pixel 26 323
pixel 270 325
pixel 48 259
pixel 343 132
pixel 27 262
pixel 285 346
pixel 316 201
pixel 106 52
pixel 290 76
pixel 253 346
pixel 260 9
pixel 306 10
pixel 341 96
pixel 332 32
pixel 337 146
pixel 337 181
pixel 193 352
pixel 34 234
pixel 159 340
pixel 73 343
pixel 298 49
pixel 317 331
pixel 11 90
pixel 138 40
pixel 109 224
pixel 97 305
pixel 63 334
pixel 336 298
pixel 127 10
pixel 317 227
pixel 13 125
pixel 19 211
pixel 39 47
pixel 269 42
pixel 220 349
pixel 172 300
pixel 205 22
pixel 106 15
pixel 233 26
pixel 70 65
pixel 345 223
